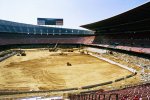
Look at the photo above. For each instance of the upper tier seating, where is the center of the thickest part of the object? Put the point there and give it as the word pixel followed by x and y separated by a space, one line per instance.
pixel 14 27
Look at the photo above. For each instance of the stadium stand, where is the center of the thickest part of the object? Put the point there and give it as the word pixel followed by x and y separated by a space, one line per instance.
pixel 140 92
pixel 127 31
pixel 19 33
pixel 130 32
pixel 14 27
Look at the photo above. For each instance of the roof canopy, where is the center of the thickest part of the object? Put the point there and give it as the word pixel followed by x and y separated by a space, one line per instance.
pixel 135 20
pixel 14 27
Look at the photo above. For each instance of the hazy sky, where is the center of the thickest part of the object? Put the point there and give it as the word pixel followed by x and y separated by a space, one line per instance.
pixel 74 12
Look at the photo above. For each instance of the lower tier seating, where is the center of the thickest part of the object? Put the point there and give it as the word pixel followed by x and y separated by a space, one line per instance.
pixel 140 92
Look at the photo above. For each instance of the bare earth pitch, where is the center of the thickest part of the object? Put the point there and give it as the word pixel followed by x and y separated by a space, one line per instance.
pixel 44 70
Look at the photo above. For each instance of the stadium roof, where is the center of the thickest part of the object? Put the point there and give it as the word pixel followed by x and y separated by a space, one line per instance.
pixel 14 27
pixel 135 20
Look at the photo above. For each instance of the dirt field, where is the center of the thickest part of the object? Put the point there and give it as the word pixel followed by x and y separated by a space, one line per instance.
pixel 43 70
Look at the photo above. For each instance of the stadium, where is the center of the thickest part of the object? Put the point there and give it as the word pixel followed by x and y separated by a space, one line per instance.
pixel 109 61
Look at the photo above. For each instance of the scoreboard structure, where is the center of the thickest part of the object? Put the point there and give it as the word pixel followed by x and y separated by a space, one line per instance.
pixel 49 21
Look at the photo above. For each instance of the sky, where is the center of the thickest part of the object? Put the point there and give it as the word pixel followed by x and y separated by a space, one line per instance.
pixel 74 12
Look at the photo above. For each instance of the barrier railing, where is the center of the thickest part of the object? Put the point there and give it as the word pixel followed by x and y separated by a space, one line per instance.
pixel 7 56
